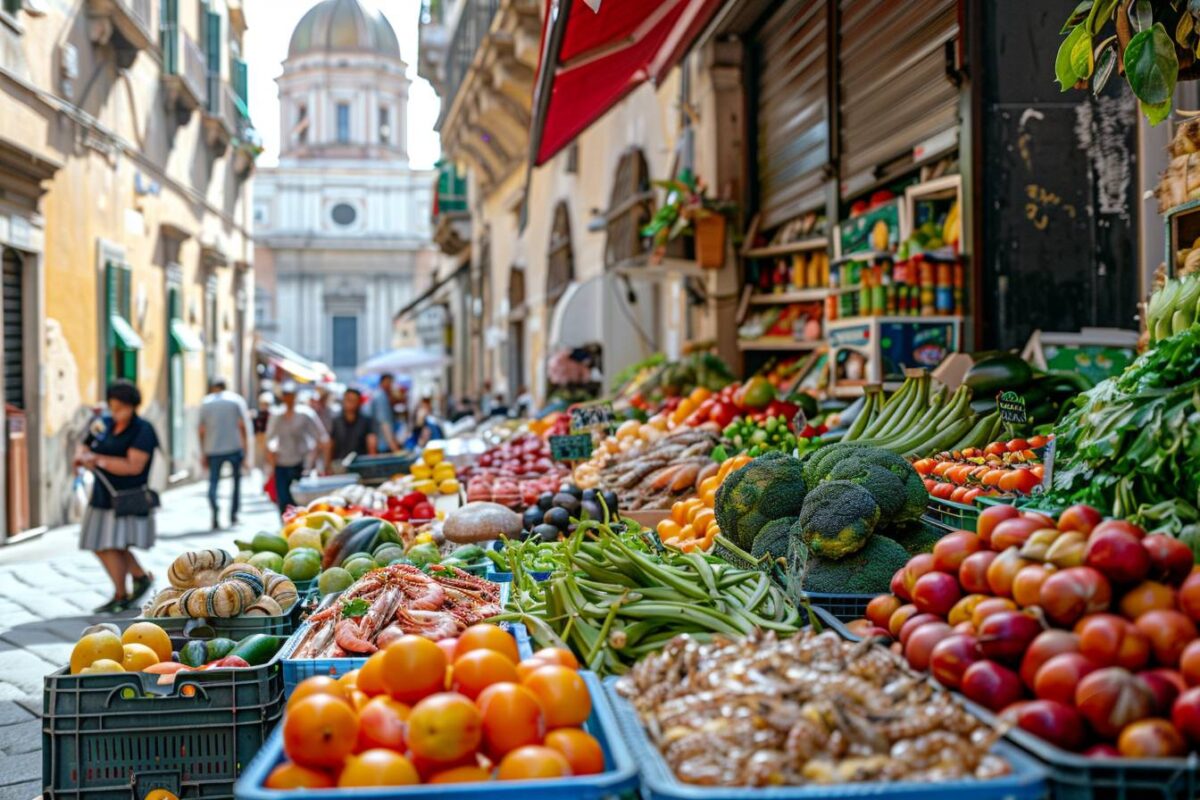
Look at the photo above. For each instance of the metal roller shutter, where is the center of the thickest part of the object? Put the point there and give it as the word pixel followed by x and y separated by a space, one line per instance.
pixel 792 113
pixel 14 326
pixel 894 90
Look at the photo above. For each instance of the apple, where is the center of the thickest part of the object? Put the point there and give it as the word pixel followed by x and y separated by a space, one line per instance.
pixel 1113 641
pixel 972 573
pixel 1165 685
pixel 990 684
pixel 914 622
pixel 992 605
pixel 900 616
pixel 1003 571
pixel 1146 596
pixel 1058 678
pixel 1027 586
pixel 964 608
pixel 1070 593
pixel 1189 597
pixel 1186 714
pixel 1057 723
pixel 1044 647
pixel 917 566
pixel 1118 525
pixel 1112 698
pixel 1014 532
pixel 1118 555
pixel 992 516
pixel 1067 550
pixel 952 549
pixel 920 644
pixel 966 627
pixel 1169 632
pixel 1151 738
pixel 951 657
pixel 1079 518
pixel 1170 559
pixel 881 608
pixel 1005 636
pixel 936 593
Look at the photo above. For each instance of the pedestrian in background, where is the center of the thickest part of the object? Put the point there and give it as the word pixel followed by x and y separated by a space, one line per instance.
pixel 119 449
pixel 293 433
pixel 223 440
pixel 383 412
pixel 261 417
pixel 352 432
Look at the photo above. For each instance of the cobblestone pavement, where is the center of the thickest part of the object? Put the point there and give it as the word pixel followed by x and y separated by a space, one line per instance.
pixel 48 588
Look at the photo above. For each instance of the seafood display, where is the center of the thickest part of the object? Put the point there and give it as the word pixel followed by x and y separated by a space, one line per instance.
pixel 810 709
pixel 388 603
pixel 651 470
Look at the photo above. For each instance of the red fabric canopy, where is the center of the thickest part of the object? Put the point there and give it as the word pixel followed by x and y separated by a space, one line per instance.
pixel 603 56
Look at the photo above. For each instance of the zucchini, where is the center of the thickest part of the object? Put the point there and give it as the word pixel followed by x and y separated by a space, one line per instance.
pixel 193 654
pixel 257 649
pixel 219 648
pixel 468 553
pixel 998 373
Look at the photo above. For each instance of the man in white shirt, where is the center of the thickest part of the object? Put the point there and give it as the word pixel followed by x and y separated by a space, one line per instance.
pixel 293 433
pixel 223 440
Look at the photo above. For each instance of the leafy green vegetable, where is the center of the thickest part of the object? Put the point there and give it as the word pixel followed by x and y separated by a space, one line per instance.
pixel 353 609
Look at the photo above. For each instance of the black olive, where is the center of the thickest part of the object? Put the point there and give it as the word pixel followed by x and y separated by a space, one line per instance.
pixel 567 501
pixel 532 517
pixel 610 500
pixel 588 494
pixel 547 533
pixel 545 501
pixel 592 509
pixel 558 517
pixel 571 489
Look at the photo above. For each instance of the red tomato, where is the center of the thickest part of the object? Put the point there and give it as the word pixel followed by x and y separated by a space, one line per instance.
pixel 1014 445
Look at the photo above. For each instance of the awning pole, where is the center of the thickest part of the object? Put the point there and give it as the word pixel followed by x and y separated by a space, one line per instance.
pixel 551 50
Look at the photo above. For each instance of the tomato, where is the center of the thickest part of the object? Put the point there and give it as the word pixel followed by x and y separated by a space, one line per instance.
pixel 444 727
pixel 415 668
pixel 1010 480
pixel 378 767
pixel 487 637
pixel 992 477
pixel 381 724
pixel 448 647
pixel 562 694
pixel 582 751
pixel 1027 480
pixel 958 473
pixel 293 776
pixel 1038 471
pixel 320 731
pixel 1037 441
pixel 941 468
pixel 971 494
pixel 557 655
pixel 318 684
pixel 512 718
pixel 1013 445
pixel 370 676
pixel 467 774
pixel 995 449
pixel 923 466
pixel 479 669
pixel 533 761
pixel 959 493
pixel 942 491
pixel 349 680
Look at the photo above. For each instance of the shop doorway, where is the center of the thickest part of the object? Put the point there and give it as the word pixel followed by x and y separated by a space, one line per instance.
pixel 15 317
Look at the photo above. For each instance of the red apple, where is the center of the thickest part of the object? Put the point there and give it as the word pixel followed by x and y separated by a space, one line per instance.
pixel 1005 636
pixel 1151 738
pixel 1170 559
pixel 1027 586
pixel 914 622
pixel 917 566
pixel 1112 698
pixel 1060 676
pixel 972 573
pixel 1118 525
pixel 1003 571
pixel 991 685
pixel 936 593
pixel 1189 597
pixel 1044 647
pixel 1146 596
pixel 1013 533
pixel 953 548
pixel 1079 518
pixel 992 516
pixel 1113 641
pixel 1165 685
pixel 992 605
pixel 1169 632
pixel 881 608
pixel 1118 555
pixel 920 644
pixel 967 627
pixel 1186 714
pixel 1070 593
pixel 951 657
pixel 1057 723
pixel 900 616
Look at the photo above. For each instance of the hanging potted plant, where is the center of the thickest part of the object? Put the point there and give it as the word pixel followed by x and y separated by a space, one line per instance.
pixel 686 211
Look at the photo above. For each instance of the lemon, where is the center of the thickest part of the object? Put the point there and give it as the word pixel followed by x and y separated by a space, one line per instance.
pixel 101 645
pixel 444 472
pixel 433 456
pixel 425 487
pixel 102 666
pixel 448 486
pixel 137 657
pixel 421 471
pixel 152 636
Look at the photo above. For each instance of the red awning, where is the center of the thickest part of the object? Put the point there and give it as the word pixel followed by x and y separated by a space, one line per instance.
pixel 595 58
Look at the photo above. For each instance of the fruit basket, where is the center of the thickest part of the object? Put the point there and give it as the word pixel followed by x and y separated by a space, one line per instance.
pixel 952 516
pixel 619 781
pixel 117 736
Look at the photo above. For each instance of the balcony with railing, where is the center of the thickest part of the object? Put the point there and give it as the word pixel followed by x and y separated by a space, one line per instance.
pixel 451 219
pixel 473 25
pixel 127 24
pixel 184 69
pixel 432 38
pixel 220 114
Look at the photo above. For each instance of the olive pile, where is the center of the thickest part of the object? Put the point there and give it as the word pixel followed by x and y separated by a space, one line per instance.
pixel 551 516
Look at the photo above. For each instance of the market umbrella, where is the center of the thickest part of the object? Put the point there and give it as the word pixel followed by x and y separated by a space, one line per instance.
pixel 403 359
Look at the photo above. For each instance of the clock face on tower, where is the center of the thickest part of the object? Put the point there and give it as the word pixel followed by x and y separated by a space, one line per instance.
pixel 343 214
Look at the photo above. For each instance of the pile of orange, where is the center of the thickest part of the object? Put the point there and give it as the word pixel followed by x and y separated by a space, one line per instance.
pixel 693 524
pixel 454 711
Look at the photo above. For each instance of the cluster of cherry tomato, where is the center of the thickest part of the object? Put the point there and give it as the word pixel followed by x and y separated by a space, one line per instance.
pixel 1012 467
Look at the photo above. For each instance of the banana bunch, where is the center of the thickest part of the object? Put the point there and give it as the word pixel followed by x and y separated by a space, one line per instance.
pixel 952 227
pixel 1173 308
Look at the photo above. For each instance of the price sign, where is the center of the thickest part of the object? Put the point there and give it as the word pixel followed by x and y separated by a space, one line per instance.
pixel 1047 466
pixel 591 416
pixel 1012 408
pixel 575 447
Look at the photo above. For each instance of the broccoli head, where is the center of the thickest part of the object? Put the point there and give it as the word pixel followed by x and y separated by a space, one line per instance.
pixel 869 571
pixel 881 482
pixel 768 488
pixel 837 519
pixel 916 496
pixel 914 537
pixel 823 459
pixel 774 538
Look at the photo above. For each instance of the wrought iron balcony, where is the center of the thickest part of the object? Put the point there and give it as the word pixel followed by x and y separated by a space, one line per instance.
pixel 220 114
pixel 469 33
pixel 129 20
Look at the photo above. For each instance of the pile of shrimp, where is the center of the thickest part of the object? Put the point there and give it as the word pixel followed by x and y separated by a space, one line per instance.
pixel 400 599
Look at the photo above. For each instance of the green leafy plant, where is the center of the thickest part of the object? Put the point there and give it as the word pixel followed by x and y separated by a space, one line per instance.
pixel 1153 43
pixel 685 201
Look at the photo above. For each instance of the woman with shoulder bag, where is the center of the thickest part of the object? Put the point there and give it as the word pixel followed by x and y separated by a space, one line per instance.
pixel 119 450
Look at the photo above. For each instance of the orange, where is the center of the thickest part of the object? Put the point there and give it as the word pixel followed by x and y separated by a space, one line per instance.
pixel 479 669
pixel 487 637
pixel 414 668
pixel 526 667
pixel 381 724
pixel 512 718
pixel 562 694
pixel 701 518
pixel 557 655
pixel 370 676
pixel 668 529
pixel 580 748
pixel 461 775
pixel 444 727
pixel 152 636
pixel 349 680
pixel 531 762
pixel 320 731
pixel 293 776
pixel 378 767
pixel 318 684
pixel 359 698
pixel 448 647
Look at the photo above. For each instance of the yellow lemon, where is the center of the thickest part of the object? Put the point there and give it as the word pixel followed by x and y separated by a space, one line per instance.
pixel 444 472
pixel 448 486
pixel 138 657
pixel 101 667
pixel 421 471
pixel 152 636
pixel 425 487
pixel 432 456
pixel 93 648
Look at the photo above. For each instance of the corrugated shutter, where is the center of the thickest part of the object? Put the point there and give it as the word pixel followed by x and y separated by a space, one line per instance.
pixel 894 90
pixel 792 119
pixel 14 327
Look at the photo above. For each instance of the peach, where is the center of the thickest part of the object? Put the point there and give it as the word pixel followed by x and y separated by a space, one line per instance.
pixel 1169 632
pixel 972 573
pixel 1112 698
pixel 1070 593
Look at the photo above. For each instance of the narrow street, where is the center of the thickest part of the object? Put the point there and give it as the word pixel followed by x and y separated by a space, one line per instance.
pixel 48 588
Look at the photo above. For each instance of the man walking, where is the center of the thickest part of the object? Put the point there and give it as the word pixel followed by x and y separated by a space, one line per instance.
pixel 383 412
pixel 352 432
pixel 293 433
pixel 223 438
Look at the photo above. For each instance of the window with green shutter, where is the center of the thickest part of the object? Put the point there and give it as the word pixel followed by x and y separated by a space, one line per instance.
pixel 241 95
pixel 122 343
pixel 212 53
pixel 168 35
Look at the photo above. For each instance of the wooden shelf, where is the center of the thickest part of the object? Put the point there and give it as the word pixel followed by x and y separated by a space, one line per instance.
pixel 819 243
pixel 783 298
pixel 779 343
pixel 846 289
pixel 942 318
pixel 864 255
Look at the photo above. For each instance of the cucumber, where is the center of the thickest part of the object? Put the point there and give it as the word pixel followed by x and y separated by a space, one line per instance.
pixel 911 401
pixel 217 649
pixel 870 406
pixel 257 648
pixel 940 442
pixel 468 553
pixel 193 654
pixel 920 439
pixel 981 428
pixel 889 407
pixel 926 421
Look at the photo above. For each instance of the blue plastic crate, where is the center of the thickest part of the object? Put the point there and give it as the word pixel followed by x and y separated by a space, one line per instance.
pixel 619 781
pixel 1027 781
pixel 506 577
pixel 297 669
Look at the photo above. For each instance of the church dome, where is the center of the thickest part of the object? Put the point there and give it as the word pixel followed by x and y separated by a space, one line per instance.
pixel 340 26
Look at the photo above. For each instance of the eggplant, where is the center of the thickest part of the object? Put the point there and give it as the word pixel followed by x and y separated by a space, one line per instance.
pixel 358 536
pixel 998 373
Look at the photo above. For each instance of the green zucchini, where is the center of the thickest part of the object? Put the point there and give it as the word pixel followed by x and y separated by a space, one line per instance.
pixel 193 654
pixel 257 648
pixel 468 553
pixel 219 648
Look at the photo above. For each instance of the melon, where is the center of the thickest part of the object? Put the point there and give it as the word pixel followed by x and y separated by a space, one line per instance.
pixel 271 561
pixel 98 646
pixel 302 564
pixel 305 537
pixel 333 580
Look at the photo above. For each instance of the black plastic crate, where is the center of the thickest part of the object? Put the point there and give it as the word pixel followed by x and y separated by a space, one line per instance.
pixel 382 467
pixel 844 607
pixel 235 627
